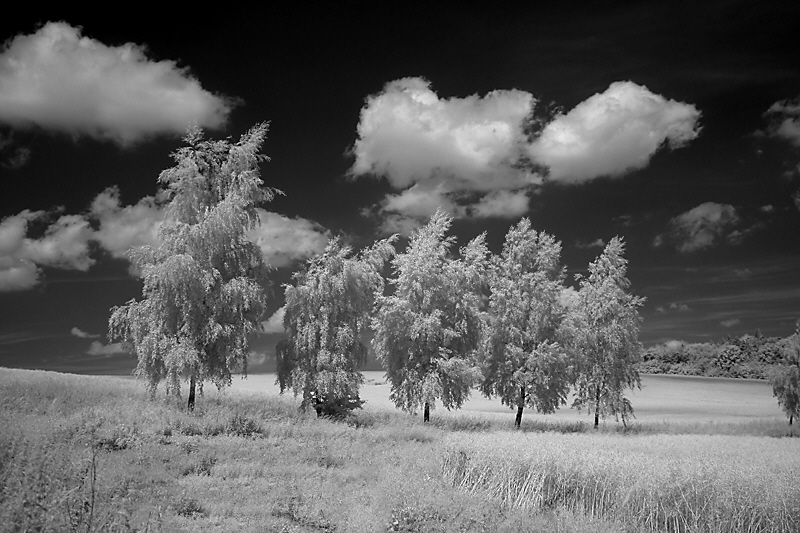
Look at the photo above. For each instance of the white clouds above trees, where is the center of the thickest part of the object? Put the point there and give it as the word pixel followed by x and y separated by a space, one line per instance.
pixel 784 117
pixel 613 133
pixel 472 156
pixel 60 80
pixel 702 226
pixel 65 243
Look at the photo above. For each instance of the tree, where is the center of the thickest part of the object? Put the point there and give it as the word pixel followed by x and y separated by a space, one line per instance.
pixel 524 362
pixel 327 310
pixel 785 378
pixel 603 333
pixel 205 285
pixel 428 332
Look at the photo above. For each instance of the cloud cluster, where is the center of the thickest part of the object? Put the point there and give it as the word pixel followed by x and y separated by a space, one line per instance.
pixel 613 133
pixel 703 226
pixel 274 324
pixel 474 156
pixel 64 244
pixel 60 80
pixel 784 117
pixel 284 240
pixel 105 350
pixel 31 240
pixel 77 332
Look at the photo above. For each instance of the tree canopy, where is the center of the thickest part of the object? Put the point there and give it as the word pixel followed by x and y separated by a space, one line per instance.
pixel 205 285
pixel 428 332
pixel 785 378
pixel 603 332
pixel 327 310
pixel 524 363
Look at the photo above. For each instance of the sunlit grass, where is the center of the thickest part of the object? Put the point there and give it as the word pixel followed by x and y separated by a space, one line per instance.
pixel 95 454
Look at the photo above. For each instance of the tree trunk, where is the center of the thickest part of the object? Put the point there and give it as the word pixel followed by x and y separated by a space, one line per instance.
pixel 791 416
pixel 597 408
pixel 520 407
pixel 192 385
pixel 426 415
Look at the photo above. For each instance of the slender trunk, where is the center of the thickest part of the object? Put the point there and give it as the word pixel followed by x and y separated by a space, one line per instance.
pixel 426 415
pixel 520 407
pixel 192 386
pixel 791 417
pixel 597 407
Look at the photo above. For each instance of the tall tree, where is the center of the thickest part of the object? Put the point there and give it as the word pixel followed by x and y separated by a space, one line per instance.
pixel 205 284
pixel 428 332
pixel 785 378
pixel 327 310
pixel 525 365
pixel 603 333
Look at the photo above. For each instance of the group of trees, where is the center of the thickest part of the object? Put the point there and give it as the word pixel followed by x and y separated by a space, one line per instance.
pixel 447 322
pixel 749 356
pixel 451 322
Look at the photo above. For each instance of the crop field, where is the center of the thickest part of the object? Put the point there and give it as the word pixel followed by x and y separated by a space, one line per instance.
pixel 82 453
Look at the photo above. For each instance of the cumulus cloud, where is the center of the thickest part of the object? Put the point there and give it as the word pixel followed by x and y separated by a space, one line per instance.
pixel 701 227
pixel 408 134
pixel 473 157
pixel 98 348
pixel 274 324
pixel 77 332
pixel 123 227
pixel 613 133
pixel 284 240
pixel 784 120
pixel 587 245
pixel 730 323
pixel 64 244
pixel 60 80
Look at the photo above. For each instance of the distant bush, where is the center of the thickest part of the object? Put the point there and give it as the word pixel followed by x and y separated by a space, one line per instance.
pixel 749 356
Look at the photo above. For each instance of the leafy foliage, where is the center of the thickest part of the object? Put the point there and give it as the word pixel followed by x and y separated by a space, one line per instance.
pixel 428 332
pixel 525 365
pixel 205 284
pixel 603 329
pixel 785 379
pixel 327 311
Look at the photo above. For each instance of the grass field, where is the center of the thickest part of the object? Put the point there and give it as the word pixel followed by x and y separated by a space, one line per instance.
pixel 84 453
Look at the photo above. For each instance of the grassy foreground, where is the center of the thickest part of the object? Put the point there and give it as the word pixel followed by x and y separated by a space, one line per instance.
pixel 87 454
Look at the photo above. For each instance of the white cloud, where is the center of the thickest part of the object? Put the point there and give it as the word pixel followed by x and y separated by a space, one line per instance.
pixel 730 323
pixel 121 228
pixel 702 226
pixel 60 80
pixel 285 240
pixel 613 133
pixel 501 204
pixel 784 117
pixel 65 245
pixel 98 348
pixel 274 324
pixel 472 156
pixel 408 134
pixel 77 332
pixel 597 243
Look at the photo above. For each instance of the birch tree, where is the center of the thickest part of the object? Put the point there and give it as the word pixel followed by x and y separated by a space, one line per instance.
pixel 603 331
pixel 785 378
pixel 205 285
pixel 525 364
pixel 428 332
pixel 327 310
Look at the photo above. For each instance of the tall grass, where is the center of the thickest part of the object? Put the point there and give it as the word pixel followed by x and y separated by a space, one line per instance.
pixel 653 483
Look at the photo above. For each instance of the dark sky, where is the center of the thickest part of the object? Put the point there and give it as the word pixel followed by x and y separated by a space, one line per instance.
pixel 674 125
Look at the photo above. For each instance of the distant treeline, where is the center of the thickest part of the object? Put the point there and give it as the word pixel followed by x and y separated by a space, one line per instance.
pixel 749 356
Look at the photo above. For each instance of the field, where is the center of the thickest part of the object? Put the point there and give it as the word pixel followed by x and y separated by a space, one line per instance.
pixel 82 453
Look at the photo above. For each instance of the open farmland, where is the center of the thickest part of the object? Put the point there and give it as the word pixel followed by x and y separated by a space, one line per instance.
pixel 92 453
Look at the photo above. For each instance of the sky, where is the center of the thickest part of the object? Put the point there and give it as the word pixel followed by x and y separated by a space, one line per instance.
pixel 673 125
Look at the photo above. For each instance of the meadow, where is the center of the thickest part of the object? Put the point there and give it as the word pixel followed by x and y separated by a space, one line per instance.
pixel 80 453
